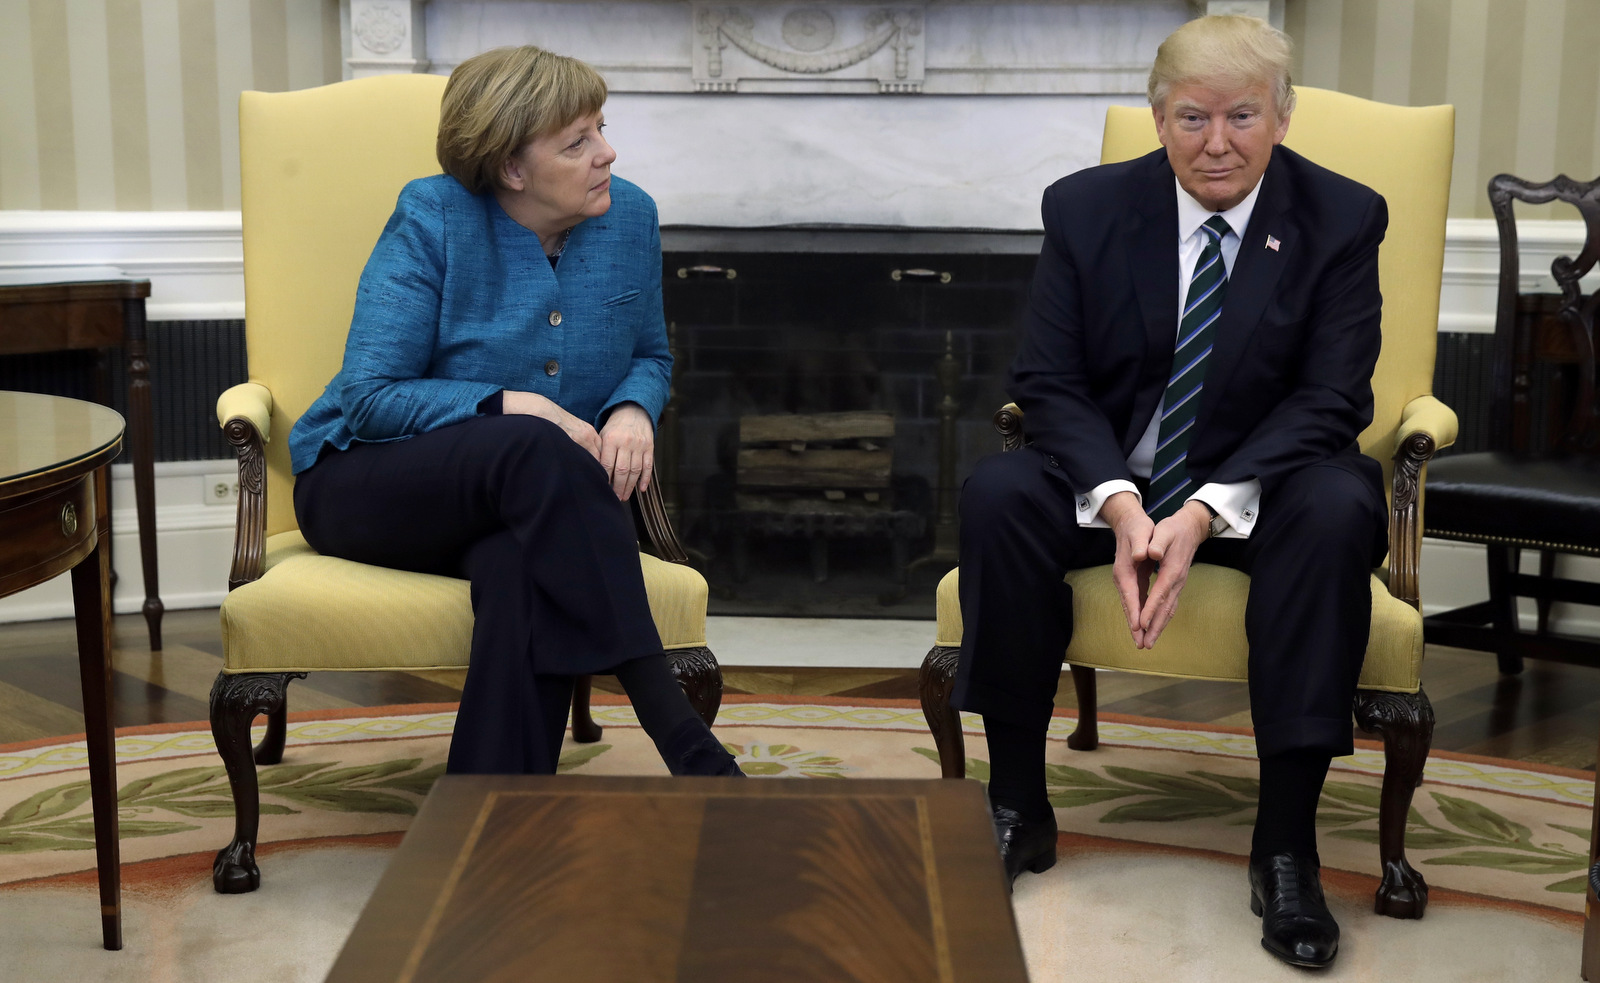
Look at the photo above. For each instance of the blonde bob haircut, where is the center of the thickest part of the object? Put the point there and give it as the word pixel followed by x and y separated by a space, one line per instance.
pixel 1225 52
pixel 496 102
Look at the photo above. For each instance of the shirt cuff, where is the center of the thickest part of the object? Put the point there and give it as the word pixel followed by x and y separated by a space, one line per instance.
pixel 1238 504
pixel 1089 505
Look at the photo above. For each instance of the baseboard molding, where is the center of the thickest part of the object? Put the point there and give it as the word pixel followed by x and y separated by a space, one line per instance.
pixel 195 546
pixel 1472 267
pixel 195 260
pixel 1455 574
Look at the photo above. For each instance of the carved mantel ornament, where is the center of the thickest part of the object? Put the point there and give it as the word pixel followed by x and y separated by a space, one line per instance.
pixel 386 36
pixel 847 48
pixel 876 43
pixel 379 27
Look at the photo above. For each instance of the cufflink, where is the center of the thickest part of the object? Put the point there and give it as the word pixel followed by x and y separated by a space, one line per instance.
pixel 1083 504
pixel 1247 515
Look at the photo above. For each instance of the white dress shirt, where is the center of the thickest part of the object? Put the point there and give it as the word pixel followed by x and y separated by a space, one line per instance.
pixel 1237 503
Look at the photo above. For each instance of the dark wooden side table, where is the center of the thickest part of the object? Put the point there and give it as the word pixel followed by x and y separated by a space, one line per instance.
pixel 699 880
pixel 54 457
pixel 99 315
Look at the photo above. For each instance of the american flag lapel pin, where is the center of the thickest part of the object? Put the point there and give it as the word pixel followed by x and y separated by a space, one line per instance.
pixel 1273 244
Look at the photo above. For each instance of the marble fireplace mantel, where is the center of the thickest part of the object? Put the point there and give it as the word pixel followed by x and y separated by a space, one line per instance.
pixel 833 46
pixel 930 114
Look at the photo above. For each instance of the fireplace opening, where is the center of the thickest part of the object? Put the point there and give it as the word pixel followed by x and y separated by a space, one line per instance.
pixel 831 390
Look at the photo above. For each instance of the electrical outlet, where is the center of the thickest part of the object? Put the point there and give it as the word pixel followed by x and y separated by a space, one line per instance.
pixel 222 489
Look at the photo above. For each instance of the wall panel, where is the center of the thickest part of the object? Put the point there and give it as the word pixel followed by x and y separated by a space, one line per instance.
pixel 1521 74
pixel 130 122
pixel 52 105
pixel 132 104
pixel 163 88
pixel 19 134
pixel 89 69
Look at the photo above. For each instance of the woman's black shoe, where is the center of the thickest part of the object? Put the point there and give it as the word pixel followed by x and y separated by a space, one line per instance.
pixel 1296 926
pixel 1024 844
pixel 693 750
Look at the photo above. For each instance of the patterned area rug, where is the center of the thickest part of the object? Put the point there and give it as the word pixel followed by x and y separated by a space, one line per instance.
pixel 1155 826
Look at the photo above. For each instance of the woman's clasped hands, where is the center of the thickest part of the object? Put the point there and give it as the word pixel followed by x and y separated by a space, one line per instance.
pixel 624 446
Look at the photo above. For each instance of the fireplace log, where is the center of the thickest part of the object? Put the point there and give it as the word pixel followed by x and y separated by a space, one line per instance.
pixel 819 476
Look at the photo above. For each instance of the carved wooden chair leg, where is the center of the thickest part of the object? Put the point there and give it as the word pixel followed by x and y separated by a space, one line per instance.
pixel 696 670
pixel 1405 722
pixel 270 750
pixel 236 700
pixel 1503 563
pixel 934 680
pixel 584 729
pixel 1086 736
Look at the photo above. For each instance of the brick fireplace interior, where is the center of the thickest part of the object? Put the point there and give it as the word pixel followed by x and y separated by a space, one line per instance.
pixel 789 321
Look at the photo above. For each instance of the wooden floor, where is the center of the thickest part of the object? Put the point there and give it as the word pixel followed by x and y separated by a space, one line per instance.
pixel 1549 714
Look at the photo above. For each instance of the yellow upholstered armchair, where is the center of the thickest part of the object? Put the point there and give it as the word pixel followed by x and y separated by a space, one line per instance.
pixel 1404 154
pixel 321 170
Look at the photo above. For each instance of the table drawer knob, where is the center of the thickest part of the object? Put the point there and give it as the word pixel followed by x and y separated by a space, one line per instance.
pixel 69 519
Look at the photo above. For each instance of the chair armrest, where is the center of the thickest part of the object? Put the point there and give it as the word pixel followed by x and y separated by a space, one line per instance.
pixel 245 413
pixel 1426 414
pixel 1008 424
pixel 248 400
pixel 1425 426
pixel 652 507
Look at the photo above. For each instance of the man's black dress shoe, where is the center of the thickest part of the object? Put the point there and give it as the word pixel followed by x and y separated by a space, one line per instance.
pixel 1024 844
pixel 1296 926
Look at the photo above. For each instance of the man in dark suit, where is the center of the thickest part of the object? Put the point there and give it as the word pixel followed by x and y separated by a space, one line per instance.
pixel 1197 366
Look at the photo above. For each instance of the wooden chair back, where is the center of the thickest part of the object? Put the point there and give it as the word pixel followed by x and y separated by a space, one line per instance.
pixel 1542 341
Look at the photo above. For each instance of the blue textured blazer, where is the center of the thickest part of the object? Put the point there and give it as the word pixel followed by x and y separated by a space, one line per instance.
pixel 459 302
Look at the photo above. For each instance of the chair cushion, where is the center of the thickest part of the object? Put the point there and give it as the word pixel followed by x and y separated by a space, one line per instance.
pixel 309 612
pixel 1494 497
pixel 1205 639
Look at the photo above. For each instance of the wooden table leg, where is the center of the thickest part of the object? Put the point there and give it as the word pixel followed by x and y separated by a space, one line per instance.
pixel 141 443
pixel 91 598
pixel 102 395
pixel 1590 967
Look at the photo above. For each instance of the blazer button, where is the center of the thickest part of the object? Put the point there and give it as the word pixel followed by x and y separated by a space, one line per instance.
pixel 1054 463
pixel 555 319
pixel 552 367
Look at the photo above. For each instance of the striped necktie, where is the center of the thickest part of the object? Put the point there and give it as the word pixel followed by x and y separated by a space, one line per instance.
pixel 1169 478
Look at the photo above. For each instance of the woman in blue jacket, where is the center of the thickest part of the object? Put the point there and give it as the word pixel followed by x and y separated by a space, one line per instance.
pixel 505 368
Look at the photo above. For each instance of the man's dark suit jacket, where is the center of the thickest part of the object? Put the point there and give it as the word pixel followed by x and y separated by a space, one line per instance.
pixel 1289 380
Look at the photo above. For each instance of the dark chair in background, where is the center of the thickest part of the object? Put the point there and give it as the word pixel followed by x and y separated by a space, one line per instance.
pixel 1538 486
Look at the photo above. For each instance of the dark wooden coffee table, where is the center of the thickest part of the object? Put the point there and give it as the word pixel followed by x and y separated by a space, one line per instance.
pixel 699 880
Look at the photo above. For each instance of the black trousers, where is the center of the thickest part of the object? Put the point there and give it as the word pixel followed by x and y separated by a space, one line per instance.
pixel 512 504
pixel 1309 557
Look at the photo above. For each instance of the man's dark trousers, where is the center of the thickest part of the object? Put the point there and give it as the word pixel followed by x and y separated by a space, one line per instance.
pixel 1309 557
